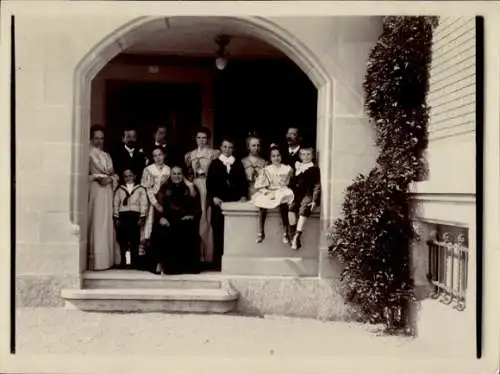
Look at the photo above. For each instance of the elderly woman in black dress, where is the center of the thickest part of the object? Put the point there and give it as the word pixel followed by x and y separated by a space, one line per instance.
pixel 175 238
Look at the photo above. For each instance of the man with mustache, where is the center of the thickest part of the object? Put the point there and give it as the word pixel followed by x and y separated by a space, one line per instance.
pixel 128 156
pixel 290 152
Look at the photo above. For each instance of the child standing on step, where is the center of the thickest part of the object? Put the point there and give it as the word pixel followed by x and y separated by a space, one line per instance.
pixel 306 187
pixel 272 192
pixel 129 212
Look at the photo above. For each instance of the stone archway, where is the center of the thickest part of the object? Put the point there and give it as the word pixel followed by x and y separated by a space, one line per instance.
pixel 133 31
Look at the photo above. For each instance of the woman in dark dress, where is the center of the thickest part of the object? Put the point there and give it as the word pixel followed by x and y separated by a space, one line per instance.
pixel 175 238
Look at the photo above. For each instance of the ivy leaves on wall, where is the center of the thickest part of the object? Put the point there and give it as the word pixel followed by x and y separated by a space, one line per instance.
pixel 372 237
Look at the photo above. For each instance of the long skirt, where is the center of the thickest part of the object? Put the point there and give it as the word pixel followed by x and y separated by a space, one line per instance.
pixel 104 251
pixel 205 229
pixel 217 219
pixel 148 226
pixel 177 247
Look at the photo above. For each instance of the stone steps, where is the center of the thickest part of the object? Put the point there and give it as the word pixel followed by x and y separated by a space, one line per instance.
pixel 133 279
pixel 152 300
pixel 135 291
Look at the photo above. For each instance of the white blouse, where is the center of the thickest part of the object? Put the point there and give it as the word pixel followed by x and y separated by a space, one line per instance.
pixel 274 177
pixel 153 178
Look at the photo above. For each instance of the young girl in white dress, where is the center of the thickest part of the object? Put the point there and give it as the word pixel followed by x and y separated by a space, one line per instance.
pixel 273 192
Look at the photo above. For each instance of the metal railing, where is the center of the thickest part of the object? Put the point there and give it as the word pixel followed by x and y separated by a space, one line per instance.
pixel 448 261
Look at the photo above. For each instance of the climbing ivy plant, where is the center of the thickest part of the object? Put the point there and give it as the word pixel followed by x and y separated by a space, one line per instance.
pixel 372 238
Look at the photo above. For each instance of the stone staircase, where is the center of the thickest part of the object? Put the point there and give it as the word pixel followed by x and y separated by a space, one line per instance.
pixel 138 291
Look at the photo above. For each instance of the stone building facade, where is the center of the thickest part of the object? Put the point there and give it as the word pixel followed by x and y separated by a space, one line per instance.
pixel 57 58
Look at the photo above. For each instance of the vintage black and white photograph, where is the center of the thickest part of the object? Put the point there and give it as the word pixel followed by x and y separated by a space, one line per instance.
pixel 244 185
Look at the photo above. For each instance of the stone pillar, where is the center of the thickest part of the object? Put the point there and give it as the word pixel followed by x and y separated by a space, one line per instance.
pixel 46 247
pixel 352 152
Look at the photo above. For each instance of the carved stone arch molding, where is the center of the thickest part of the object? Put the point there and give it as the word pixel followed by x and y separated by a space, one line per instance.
pixel 133 31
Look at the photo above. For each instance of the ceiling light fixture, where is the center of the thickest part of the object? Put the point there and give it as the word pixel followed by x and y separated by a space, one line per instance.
pixel 221 61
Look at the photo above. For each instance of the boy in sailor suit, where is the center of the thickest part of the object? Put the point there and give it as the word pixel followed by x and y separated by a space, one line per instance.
pixel 306 187
pixel 129 212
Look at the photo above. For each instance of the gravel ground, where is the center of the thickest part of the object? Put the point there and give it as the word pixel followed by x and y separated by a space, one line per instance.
pixel 57 330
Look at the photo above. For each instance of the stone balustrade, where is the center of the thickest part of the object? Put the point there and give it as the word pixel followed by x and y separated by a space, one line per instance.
pixel 244 256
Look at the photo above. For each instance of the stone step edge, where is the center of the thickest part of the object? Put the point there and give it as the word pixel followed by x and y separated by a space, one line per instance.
pixel 222 294
pixel 203 277
pixel 149 284
pixel 145 275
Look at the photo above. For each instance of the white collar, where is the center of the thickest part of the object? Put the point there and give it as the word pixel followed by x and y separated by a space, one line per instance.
pixel 300 167
pixel 293 150
pixel 159 144
pixel 227 161
pixel 130 150
pixel 130 187
pixel 163 170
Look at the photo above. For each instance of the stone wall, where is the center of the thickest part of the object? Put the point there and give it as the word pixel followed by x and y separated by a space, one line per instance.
pixel 55 54
pixel 243 256
pixel 305 297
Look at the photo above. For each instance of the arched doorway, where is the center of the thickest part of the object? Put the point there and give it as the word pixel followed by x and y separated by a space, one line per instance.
pixel 135 31
pixel 260 91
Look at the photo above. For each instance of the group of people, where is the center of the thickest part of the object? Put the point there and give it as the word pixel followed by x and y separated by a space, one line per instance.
pixel 157 210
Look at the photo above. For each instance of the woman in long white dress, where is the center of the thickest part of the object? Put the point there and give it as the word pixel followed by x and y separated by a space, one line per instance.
pixel 102 244
pixel 197 162
pixel 153 178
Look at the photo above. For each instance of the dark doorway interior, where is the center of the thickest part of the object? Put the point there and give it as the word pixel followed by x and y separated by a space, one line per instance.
pixel 263 96
pixel 143 105
pixel 259 96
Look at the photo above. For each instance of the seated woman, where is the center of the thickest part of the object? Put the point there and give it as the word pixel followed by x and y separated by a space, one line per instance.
pixel 175 238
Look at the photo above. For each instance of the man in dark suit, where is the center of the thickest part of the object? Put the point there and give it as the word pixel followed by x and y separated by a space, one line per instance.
pixel 172 154
pixel 226 182
pixel 128 156
pixel 290 152
pixel 159 141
